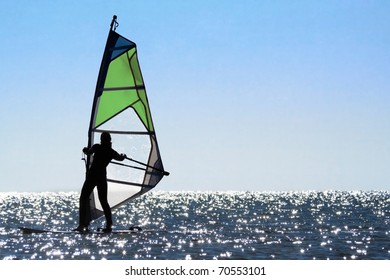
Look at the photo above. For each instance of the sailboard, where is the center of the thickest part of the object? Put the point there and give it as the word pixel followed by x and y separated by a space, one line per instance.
pixel 120 106
pixel 31 230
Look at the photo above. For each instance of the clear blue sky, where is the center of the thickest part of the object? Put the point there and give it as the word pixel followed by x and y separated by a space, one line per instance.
pixel 245 95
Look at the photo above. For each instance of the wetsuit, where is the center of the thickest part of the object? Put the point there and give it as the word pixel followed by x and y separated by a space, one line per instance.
pixel 97 176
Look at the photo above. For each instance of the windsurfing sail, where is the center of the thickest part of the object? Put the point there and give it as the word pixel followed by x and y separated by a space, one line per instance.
pixel 120 107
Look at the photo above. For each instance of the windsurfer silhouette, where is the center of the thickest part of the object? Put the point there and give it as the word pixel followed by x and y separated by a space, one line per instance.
pixel 97 176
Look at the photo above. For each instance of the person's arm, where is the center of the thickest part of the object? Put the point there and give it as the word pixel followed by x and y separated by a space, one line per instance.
pixel 119 157
pixel 89 151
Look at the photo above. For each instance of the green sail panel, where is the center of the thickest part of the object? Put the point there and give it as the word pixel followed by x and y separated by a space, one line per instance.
pixel 121 107
pixel 124 87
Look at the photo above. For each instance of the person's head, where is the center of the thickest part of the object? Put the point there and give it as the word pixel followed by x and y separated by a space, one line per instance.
pixel 105 138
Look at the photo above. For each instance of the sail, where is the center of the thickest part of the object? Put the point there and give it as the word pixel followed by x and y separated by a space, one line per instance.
pixel 121 107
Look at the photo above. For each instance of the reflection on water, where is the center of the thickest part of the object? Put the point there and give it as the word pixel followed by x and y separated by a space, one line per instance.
pixel 211 225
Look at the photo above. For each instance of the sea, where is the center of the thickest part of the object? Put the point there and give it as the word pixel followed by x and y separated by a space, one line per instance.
pixel 309 225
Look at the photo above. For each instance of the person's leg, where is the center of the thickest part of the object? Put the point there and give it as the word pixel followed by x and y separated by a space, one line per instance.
pixel 102 193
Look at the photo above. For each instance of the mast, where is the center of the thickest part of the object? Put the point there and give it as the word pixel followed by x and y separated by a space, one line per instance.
pixel 114 23
pixel 99 85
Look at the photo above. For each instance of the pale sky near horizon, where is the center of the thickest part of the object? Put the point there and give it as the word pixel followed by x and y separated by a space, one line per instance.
pixel 245 95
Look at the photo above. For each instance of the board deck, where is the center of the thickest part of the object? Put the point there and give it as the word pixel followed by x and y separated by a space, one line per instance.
pixel 131 230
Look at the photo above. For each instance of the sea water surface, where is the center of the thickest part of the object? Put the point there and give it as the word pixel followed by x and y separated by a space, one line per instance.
pixel 331 225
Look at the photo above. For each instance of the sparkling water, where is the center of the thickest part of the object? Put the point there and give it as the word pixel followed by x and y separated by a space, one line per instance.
pixel 204 225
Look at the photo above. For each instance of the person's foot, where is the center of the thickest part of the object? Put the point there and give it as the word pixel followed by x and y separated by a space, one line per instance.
pixel 108 228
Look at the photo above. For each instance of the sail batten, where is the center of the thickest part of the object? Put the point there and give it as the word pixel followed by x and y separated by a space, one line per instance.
pixel 125 183
pixel 125 132
pixel 123 88
pixel 121 107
